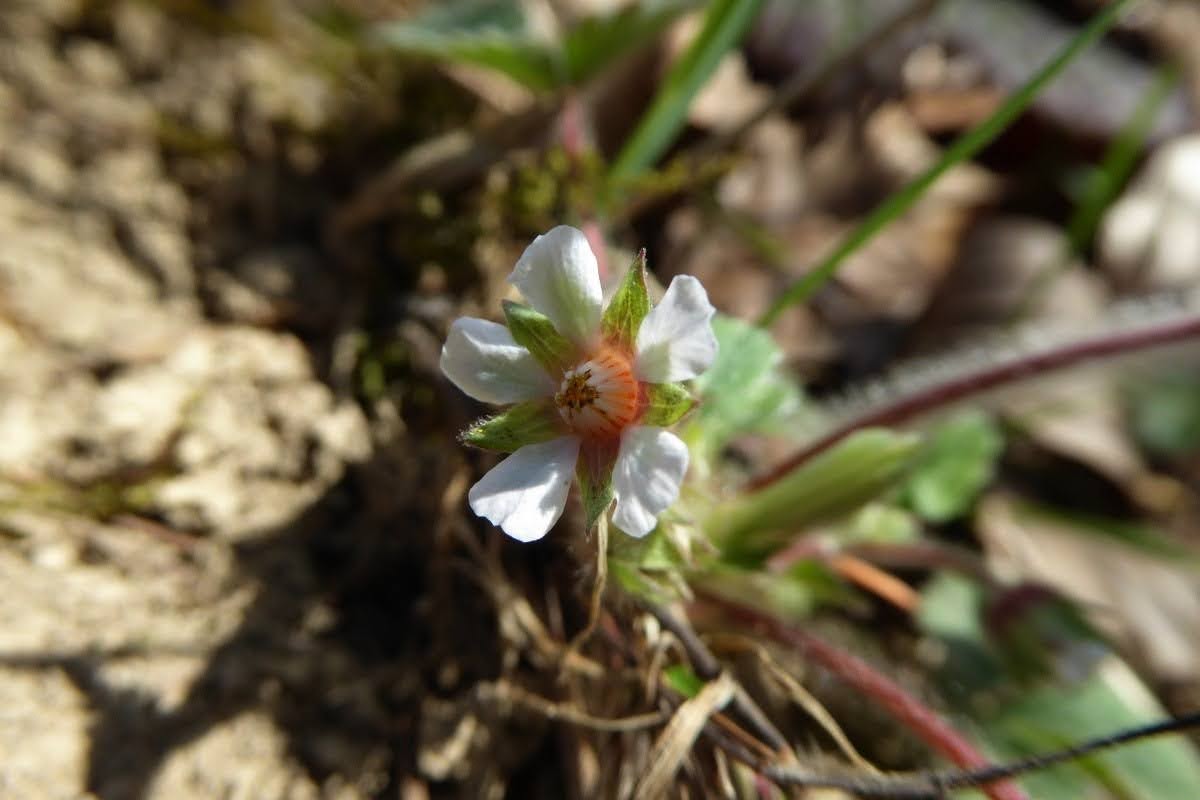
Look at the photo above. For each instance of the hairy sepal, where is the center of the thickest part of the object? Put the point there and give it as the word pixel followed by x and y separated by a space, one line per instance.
pixel 594 472
pixel 628 307
pixel 666 403
pixel 536 333
pixel 525 423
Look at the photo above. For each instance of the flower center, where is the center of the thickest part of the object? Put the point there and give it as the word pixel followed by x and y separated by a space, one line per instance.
pixel 599 398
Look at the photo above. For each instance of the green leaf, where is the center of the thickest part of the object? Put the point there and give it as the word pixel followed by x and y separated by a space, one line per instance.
pixel 536 333
pixel 597 41
pixel 744 391
pixel 628 307
pixel 510 430
pixel 655 586
pixel 652 552
pixel 1041 634
pixel 1165 414
pixel 724 24
pixel 881 523
pixel 1119 161
pixel 682 679
pixel 495 34
pixel 956 465
pixel 1111 700
pixel 833 483
pixel 1016 720
pixel 666 403
pixel 965 147
pixel 485 33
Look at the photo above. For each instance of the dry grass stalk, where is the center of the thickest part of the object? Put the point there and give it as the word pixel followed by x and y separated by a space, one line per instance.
pixel 677 739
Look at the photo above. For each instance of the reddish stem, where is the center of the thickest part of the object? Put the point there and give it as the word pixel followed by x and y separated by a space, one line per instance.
pixel 573 127
pixel 940 394
pixel 574 135
pixel 928 555
pixel 595 237
pixel 906 709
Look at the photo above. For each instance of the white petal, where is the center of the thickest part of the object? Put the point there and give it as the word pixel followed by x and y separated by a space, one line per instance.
pixel 646 477
pixel 559 277
pixel 525 493
pixel 482 359
pixel 676 341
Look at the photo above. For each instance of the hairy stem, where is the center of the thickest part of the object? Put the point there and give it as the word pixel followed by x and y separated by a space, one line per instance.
pixel 1170 329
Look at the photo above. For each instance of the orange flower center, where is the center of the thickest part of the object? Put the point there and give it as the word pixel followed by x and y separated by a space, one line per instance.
pixel 600 397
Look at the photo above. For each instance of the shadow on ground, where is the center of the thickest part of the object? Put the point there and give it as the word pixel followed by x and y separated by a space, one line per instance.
pixel 335 648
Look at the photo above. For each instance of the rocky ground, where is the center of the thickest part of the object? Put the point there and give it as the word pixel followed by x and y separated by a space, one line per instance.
pixel 210 553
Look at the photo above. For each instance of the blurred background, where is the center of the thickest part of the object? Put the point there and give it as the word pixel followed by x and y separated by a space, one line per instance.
pixel 234 549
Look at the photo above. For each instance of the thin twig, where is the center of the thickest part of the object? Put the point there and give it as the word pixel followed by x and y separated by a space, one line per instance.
pixel 507 692
pixel 707 667
pixel 677 738
pixel 916 786
pixel 798 694
pixel 920 719
pixel 866 564
pixel 876 581
pixel 747 741
pixel 508 601
pixel 930 554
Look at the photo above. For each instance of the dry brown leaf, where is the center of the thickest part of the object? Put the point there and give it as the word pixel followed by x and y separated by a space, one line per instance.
pixel 1150 238
pixel 676 740
pixel 1148 605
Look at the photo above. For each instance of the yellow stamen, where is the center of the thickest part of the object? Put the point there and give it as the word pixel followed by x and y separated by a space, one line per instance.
pixel 600 397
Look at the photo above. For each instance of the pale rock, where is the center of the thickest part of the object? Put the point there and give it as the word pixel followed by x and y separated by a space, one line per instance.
pixel 1151 236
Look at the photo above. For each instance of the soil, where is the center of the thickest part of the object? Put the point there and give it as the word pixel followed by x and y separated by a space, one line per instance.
pixel 214 550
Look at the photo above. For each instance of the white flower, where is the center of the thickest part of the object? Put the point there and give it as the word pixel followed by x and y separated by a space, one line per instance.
pixel 594 392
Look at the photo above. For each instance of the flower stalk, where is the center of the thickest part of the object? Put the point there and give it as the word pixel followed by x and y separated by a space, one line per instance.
pixel 748 527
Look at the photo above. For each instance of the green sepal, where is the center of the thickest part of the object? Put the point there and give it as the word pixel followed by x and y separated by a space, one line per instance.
pixel 537 334
pixel 510 430
pixel 651 568
pixel 683 679
pixel 628 307
pixel 666 403
pixel 594 471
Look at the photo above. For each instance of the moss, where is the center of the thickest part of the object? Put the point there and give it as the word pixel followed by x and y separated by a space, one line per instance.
pixel 102 500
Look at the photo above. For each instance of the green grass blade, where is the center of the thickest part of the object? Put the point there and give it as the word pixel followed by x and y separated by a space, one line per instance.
pixel 1105 184
pixel 965 147
pixel 724 24
pixel 1119 160
pixel 597 41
